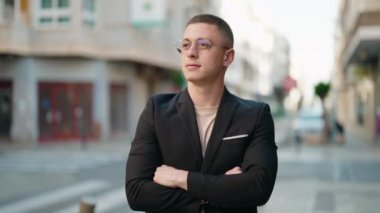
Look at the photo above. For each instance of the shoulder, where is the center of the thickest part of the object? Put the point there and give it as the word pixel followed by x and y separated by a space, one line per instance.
pixel 251 109
pixel 164 100
pixel 252 113
pixel 249 105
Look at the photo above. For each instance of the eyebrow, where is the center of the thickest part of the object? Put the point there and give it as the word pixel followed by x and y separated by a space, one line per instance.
pixel 195 39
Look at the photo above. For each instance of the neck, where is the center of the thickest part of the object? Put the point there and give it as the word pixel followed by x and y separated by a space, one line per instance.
pixel 206 95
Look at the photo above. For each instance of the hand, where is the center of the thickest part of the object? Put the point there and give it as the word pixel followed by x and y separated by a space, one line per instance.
pixel 234 171
pixel 171 177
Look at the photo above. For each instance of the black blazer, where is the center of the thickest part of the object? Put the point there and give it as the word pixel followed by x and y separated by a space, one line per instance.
pixel 167 133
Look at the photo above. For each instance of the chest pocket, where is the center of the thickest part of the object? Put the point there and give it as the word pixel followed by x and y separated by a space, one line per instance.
pixel 230 154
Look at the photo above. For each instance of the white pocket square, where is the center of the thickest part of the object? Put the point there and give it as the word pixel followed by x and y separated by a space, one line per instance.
pixel 235 136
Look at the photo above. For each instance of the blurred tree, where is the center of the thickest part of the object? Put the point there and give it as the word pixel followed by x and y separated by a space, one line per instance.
pixel 322 90
pixel 281 91
pixel 279 94
pixel 178 80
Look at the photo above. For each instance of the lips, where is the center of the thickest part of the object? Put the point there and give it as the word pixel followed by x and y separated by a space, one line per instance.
pixel 193 66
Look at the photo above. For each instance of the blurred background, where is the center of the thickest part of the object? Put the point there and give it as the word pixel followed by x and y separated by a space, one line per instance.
pixel 76 74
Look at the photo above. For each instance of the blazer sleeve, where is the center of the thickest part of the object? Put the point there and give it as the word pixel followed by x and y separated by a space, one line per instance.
pixel 144 157
pixel 254 185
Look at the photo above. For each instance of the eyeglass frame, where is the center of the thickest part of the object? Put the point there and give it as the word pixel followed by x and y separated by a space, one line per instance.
pixel 179 48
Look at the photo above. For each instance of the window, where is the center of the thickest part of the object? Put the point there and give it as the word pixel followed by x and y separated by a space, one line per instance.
pixel 7 10
pixel 89 13
pixel 46 20
pixel 63 3
pixel 47 4
pixel 63 19
pixel 53 13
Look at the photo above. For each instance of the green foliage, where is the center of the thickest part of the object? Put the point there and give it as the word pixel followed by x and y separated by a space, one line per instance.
pixel 322 90
pixel 178 79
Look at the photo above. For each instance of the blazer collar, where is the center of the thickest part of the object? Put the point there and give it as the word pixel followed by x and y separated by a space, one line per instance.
pixel 226 109
pixel 185 107
pixel 223 118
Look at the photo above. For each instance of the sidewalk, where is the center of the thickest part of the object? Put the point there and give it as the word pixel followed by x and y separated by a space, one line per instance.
pixel 331 177
pixel 282 127
pixel 114 146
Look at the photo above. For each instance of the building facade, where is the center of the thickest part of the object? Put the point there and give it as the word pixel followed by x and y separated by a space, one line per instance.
pixel 262 56
pixel 74 70
pixel 357 75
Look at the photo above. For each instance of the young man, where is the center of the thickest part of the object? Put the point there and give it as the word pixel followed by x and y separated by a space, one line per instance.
pixel 203 149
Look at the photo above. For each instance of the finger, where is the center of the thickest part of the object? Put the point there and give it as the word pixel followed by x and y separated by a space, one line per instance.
pixel 235 170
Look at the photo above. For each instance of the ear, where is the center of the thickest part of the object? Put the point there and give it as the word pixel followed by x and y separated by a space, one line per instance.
pixel 228 57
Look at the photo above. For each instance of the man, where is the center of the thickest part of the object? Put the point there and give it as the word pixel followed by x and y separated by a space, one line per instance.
pixel 203 149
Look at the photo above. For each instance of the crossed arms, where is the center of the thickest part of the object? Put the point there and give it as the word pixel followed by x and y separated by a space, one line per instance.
pixel 176 178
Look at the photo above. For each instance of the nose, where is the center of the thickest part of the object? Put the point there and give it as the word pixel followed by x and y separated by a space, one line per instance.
pixel 192 52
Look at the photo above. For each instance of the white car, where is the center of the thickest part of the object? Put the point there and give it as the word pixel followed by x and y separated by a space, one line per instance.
pixel 308 125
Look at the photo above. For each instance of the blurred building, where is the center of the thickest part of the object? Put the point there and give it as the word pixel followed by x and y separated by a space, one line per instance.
pixel 357 71
pixel 262 56
pixel 83 69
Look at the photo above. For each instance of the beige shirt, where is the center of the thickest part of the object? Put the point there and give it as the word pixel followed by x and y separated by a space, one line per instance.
pixel 205 119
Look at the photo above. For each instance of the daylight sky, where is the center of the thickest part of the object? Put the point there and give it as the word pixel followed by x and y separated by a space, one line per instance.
pixel 309 26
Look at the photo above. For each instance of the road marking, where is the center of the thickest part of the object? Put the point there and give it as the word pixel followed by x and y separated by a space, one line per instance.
pixel 103 202
pixel 53 197
pixel 61 162
pixel 111 200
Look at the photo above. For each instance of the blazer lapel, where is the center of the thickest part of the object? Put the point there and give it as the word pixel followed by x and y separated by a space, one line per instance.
pixel 186 111
pixel 225 112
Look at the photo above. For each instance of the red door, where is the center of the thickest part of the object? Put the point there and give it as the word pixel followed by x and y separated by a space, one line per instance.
pixel 65 111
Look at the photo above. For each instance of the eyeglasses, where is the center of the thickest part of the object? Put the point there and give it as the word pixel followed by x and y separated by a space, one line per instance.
pixel 201 43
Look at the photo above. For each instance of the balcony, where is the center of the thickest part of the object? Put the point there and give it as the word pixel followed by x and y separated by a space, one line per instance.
pixel 361 23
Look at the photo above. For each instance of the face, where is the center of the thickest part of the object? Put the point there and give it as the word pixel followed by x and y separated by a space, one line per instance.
pixel 200 64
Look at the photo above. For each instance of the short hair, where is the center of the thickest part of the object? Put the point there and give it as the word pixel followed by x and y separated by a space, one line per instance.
pixel 222 25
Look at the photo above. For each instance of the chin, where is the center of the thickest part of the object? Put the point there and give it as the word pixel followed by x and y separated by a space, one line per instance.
pixel 198 82
pixel 191 77
pixel 191 80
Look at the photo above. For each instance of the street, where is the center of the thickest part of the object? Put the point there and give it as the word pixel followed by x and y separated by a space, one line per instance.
pixel 327 178
pixel 311 178
pixel 55 180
